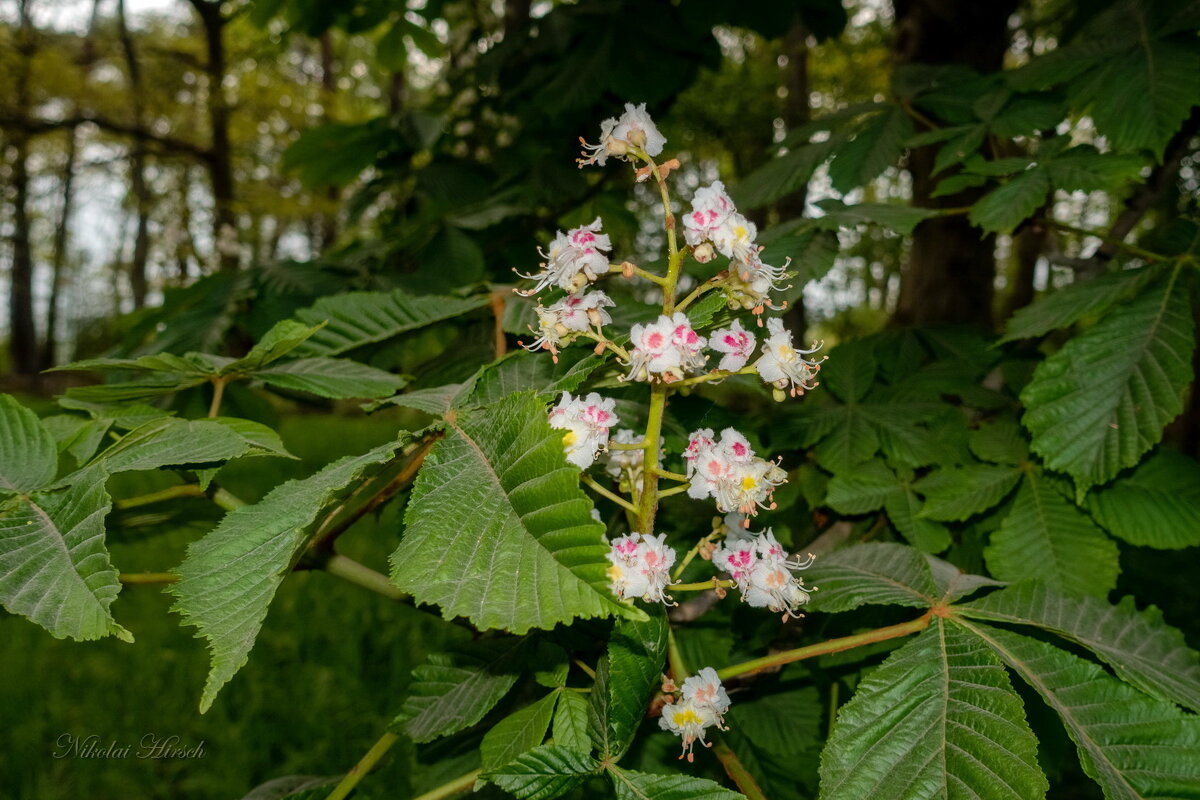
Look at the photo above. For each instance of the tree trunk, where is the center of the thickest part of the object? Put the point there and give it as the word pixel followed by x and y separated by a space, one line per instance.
pixel 329 222
pixel 796 112
pixel 951 266
pixel 61 243
pixel 137 167
pixel 220 157
pixel 22 343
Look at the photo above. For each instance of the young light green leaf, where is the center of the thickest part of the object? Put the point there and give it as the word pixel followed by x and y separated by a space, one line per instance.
pixel 1046 537
pixel 570 728
pixel 331 377
pixel 1158 505
pixel 626 678
pixel 1141 356
pixel 28 455
pixel 1066 306
pixel 956 493
pixel 632 785
pixel 938 718
pixel 1135 746
pixel 455 689
pixel 228 579
pixel 496 500
pixel 543 773
pixel 517 733
pixel 359 318
pixel 872 574
pixel 54 567
pixel 1143 649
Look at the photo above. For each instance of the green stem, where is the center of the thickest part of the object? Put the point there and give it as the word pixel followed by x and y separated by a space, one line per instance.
pixel 595 486
pixel 634 269
pixel 691 554
pixel 702 585
pixel 170 493
pixel 218 392
pixel 825 648
pixel 456 786
pixel 679 670
pixel 626 446
pixel 591 673
pixel 350 570
pixel 715 375
pixel 737 772
pixel 143 578
pixel 675 476
pixel 365 765
pixel 711 283
pixel 673 490
pixel 227 500
pixel 649 497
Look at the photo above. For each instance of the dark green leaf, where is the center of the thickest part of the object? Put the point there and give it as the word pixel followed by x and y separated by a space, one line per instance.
pixel 1005 207
pixel 517 733
pixel 632 785
pixel 1158 505
pixel 632 669
pixel 331 377
pixel 543 773
pixel 956 493
pixel 359 318
pixel 872 574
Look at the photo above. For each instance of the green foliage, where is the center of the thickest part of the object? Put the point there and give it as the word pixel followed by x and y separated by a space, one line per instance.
pixel 1140 355
pixel 543 773
pixel 30 459
pixel 625 679
pixel 1156 505
pixel 938 718
pixel 229 577
pixel 478 516
pixel 632 785
pixel 517 733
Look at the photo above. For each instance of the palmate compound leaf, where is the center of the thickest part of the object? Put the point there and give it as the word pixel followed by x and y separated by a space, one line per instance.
pixel 543 773
pixel 1045 536
pixel 625 679
pixel 359 318
pixel 956 493
pixel 228 579
pixel 937 719
pixel 870 486
pixel 630 785
pixel 455 689
pixel 1135 746
pixel 1143 649
pixel 54 568
pixel 497 528
pixel 1140 356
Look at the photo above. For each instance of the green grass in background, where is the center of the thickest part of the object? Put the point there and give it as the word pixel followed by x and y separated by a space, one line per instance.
pixel 327 674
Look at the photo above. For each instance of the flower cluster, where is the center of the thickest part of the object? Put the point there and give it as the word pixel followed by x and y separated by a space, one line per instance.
pixel 702 703
pixel 714 222
pixel 626 465
pixel 763 572
pixel 641 567
pixel 560 322
pixel 586 421
pixel 668 348
pixel 575 259
pixel 633 129
pixel 785 366
pixel 737 345
pixel 728 471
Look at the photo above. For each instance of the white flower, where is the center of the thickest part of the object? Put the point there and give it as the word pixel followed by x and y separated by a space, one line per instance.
pixel 669 348
pixel 574 259
pixel 736 343
pixel 641 567
pixel 711 207
pixel 623 464
pixel 586 421
pixel 702 704
pixel 748 487
pixel 634 128
pixel 706 690
pixel 735 239
pixel 783 365
pixel 575 313
pixel 728 471
pixel 763 572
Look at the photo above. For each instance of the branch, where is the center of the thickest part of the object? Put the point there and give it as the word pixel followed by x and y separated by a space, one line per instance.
pixel 35 126
pixel 737 772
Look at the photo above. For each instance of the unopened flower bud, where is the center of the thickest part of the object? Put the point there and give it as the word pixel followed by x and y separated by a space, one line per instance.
pixel 779 395
pixel 637 137
pixel 704 253
pixel 616 147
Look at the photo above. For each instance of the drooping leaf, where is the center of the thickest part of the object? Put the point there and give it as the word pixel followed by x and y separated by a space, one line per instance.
pixel 283 337
pixel 938 718
pixel 956 493
pixel 1063 307
pixel 496 499
pixel 359 318
pixel 782 176
pixel 875 574
pixel 79 436
pixel 229 577
pixel 455 689
pixel 630 785
pixel 28 455
pixel 543 773
pixel 1141 356
pixel 331 377
pixel 1045 536
pixel 901 219
pixel 1134 745
pixel 626 677
pixel 1158 505
pixel 170 441
pixel 1005 207
pixel 54 567
pixel 517 733
pixel 1143 649
pixel 878 144
pixel 524 371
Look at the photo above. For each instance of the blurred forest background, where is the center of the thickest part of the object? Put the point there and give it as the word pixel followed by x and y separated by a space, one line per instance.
pixel 182 174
